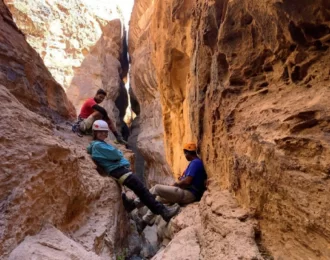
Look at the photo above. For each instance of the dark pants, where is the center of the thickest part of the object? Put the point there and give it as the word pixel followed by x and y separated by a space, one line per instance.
pixel 136 185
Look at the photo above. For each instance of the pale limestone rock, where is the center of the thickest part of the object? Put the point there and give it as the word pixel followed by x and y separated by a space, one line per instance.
pixel 51 244
pixel 183 246
pixel 215 228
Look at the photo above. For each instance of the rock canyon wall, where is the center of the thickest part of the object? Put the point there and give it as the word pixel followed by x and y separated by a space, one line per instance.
pixel 83 44
pixel 23 73
pixel 145 87
pixel 53 203
pixel 249 81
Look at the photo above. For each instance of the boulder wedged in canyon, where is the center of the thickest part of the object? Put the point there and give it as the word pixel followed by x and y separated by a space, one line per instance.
pixel 144 84
pixel 82 43
pixel 46 177
pixel 249 81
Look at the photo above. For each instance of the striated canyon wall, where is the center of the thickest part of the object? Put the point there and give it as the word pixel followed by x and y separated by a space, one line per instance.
pixel 82 43
pixel 143 81
pixel 249 81
pixel 53 203
pixel 23 73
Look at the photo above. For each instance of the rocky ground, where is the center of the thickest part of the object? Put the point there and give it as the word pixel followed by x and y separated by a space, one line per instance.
pixel 214 228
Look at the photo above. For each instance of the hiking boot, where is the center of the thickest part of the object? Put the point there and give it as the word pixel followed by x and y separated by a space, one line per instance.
pixel 76 129
pixel 140 225
pixel 170 212
pixel 129 204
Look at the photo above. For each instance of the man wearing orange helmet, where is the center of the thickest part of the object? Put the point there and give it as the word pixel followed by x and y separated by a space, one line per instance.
pixel 189 187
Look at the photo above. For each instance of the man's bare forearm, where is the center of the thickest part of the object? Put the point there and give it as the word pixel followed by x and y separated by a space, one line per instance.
pixel 184 183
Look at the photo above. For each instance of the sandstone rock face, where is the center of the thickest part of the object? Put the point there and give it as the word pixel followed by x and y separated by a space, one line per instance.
pixel 215 228
pixel 46 176
pixel 82 44
pixel 249 81
pixel 51 244
pixel 132 142
pixel 24 74
pixel 145 88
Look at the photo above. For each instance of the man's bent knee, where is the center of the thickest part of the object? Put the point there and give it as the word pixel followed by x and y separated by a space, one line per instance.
pixel 86 124
pixel 158 188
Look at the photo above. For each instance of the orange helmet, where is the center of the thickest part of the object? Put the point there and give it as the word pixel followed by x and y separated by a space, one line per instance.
pixel 190 147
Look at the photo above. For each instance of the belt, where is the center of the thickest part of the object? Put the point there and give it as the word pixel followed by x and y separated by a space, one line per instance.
pixel 123 177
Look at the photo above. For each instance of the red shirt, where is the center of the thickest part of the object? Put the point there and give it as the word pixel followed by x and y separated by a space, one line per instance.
pixel 87 108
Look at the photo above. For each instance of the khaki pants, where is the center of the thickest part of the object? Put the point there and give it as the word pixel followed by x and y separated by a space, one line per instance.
pixel 86 124
pixel 169 195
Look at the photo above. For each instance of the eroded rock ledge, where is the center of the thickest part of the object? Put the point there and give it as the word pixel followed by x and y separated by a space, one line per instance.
pixel 214 228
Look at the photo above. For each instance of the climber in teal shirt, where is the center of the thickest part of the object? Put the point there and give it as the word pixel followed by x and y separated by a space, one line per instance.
pixel 107 156
pixel 117 166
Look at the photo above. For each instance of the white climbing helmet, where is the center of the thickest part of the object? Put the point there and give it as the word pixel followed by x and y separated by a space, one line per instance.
pixel 100 125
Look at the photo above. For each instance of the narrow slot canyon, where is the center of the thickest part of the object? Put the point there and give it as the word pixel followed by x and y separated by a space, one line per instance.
pixel 247 81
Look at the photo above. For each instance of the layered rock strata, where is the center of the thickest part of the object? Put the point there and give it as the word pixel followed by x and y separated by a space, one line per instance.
pixel 249 81
pixel 53 203
pixel 22 71
pixel 143 81
pixel 82 43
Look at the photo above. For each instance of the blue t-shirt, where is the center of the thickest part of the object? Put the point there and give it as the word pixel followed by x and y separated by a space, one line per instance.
pixel 196 170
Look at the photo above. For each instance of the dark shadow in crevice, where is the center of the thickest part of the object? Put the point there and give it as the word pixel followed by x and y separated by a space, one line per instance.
pixel 262 249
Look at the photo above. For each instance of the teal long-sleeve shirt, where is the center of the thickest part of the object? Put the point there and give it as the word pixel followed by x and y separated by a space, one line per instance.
pixel 107 156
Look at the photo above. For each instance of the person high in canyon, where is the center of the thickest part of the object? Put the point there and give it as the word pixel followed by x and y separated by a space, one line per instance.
pixel 189 187
pixel 91 111
pixel 112 161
